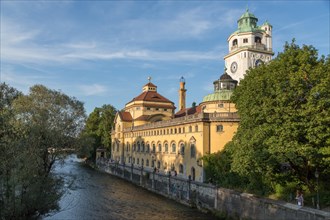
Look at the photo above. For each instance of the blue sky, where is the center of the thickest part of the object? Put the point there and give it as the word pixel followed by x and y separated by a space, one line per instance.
pixel 102 52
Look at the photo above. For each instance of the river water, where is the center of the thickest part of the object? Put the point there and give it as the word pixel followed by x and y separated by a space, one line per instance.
pixel 90 194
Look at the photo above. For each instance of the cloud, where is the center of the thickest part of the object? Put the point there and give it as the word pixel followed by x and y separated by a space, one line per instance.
pixel 93 89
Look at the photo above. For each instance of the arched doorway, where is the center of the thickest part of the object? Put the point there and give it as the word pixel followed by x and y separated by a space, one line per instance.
pixel 193 173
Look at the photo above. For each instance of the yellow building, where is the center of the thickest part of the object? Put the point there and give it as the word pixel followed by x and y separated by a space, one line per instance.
pixel 148 132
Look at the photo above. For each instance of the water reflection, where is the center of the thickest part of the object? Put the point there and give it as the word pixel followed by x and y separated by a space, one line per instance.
pixel 90 194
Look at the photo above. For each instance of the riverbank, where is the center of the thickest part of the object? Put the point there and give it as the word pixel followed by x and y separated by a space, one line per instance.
pixel 90 194
pixel 222 202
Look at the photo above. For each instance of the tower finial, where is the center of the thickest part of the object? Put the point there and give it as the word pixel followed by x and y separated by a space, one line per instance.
pixel 149 78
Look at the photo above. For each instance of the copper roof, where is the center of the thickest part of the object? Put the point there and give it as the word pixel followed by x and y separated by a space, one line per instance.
pixel 125 116
pixel 189 111
pixel 151 96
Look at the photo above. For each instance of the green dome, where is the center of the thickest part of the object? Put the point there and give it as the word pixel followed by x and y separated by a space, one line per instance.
pixel 247 14
pixel 221 95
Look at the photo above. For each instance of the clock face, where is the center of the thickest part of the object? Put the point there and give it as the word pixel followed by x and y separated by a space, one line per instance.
pixel 233 67
pixel 258 62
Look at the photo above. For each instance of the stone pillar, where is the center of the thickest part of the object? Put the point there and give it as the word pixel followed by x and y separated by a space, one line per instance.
pixel 189 188
pixel 132 172
pixel 123 175
pixel 215 197
pixel 141 176
pixel 153 180
pixel 169 183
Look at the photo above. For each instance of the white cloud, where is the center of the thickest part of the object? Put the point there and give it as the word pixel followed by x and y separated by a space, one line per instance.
pixel 93 89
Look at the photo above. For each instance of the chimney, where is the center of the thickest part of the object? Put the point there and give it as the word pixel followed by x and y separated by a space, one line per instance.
pixel 182 94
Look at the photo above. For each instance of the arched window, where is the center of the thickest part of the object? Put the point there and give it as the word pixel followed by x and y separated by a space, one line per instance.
pixel 147 162
pixel 192 151
pixel 173 148
pixel 152 163
pixel 148 148
pixel 142 148
pixel 138 146
pixel 166 147
pixel 180 168
pixel 257 39
pixel 234 42
pixel 192 173
pixel 159 147
pixel 153 148
pixel 134 146
pixel 182 148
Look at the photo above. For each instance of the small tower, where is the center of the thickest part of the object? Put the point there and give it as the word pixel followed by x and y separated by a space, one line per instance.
pixel 182 94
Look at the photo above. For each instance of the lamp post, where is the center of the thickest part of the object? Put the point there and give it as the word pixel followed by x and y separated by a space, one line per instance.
pixel 317 189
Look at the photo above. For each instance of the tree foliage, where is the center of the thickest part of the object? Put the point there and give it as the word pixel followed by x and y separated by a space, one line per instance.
pixel 36 129
pixel 97 132
pixel 284 108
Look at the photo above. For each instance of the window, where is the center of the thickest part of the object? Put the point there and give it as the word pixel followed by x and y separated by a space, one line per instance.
pixel 179 130
pixel 172 167
pixel 142 162
pixel 173 148
pixel 157 109
pixel 165 165
pixel 158 164
pixel 182 148
pixel 137 108
pixel 153 148
pixel 148 108
pixel 192 151
pixel 245 40
pixel 147 162
pixel 257 40
pixel 142 149
pixel 175 131
pixel 165 109
pixel 159 148
pixel 166 148
pixel 190 129
pixel 148 148
pixel 219 128
pixel 220 105
pixel 138 147
pixel 133 160
pixel 137 161
pixel 134 146
pixel 129 160
pixel 180 168
pixel 152 163
pixel 127 147
pixel 196 128
pixel 235 42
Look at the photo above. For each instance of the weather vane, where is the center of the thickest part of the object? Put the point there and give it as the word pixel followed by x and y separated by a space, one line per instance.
pixel 149 78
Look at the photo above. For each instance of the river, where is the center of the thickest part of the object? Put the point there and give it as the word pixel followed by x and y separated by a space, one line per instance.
pixel 90 194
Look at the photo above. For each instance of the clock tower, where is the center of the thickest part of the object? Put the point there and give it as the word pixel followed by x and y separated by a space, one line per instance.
pixel 249 46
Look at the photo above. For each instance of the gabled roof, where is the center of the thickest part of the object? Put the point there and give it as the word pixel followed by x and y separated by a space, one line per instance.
pixel 151 96
pixel 188 111
pixel 150 85
pixel 125 116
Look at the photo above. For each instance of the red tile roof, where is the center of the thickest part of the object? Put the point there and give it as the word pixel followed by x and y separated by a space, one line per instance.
pixel 151 96
pixel 125 116
pixel 189 111
pixel 150 85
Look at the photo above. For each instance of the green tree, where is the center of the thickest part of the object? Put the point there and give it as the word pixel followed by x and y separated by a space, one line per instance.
pixel 36 129
pixel 285 120
pixel 98 130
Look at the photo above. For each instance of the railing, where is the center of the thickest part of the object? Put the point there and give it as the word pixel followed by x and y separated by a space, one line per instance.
pixel 257 46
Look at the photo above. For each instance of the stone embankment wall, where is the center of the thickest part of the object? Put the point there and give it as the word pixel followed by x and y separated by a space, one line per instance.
pixel 223 201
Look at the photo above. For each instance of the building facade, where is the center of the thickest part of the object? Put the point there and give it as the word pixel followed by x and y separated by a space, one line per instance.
pixel 148 132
